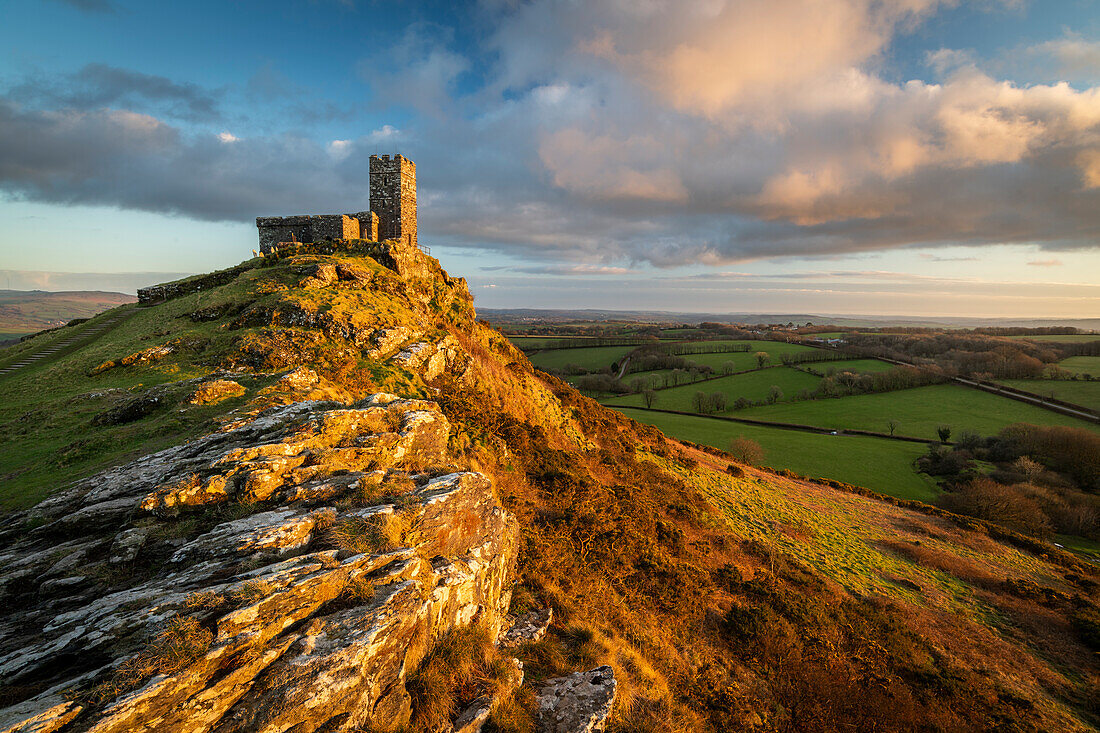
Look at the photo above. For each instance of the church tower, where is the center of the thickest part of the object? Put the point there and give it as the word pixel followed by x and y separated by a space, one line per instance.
pixel 393 197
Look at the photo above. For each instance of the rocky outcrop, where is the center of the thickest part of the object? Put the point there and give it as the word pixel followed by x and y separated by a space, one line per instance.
pixel 578 703
pixel 430 360
pixel 527 629
pixel 214 391
pixel 355 547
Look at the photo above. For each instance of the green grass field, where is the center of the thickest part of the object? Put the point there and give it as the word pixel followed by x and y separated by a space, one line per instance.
pixel 857 366
pixel 531 342
pixel 747 359
pixel 681 332
pixel 1082 365
pixel 45 416
pixel 885 466
pixel 1065 339
pixel 594 358
pixel 1086 394
pixel 919 412
pixel 753 385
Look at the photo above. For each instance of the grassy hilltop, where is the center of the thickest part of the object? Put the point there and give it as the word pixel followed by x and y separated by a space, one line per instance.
pixel 726 597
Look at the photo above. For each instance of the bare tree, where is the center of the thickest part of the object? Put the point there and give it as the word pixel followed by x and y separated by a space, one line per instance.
pixel 746 450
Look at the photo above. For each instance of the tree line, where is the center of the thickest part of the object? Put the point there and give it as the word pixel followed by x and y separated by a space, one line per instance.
pixel 1046 479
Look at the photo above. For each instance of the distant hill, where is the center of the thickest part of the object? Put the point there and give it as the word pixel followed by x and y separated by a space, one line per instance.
pixel 851 321
pixel 30 311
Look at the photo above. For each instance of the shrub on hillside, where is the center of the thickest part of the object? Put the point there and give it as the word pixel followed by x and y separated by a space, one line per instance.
pixel 986 499
pixel 746 450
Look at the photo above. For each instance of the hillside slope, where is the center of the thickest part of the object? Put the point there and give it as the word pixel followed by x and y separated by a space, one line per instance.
pixel 282 498
pixel 30 311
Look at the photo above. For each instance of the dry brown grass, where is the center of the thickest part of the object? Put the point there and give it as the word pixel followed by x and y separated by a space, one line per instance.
pixel 930 557
pixel 367 535
pixel 461 667
pixel 181 643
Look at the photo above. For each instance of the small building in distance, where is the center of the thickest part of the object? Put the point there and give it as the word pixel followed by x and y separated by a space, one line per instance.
pixel 392 212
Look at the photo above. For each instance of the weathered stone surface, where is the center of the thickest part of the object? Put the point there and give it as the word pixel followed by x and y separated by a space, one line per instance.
pixel 393 197
pixel 292 647
pixel 475 716
pixel 320 276
pixel 382 431
pixel 359 275
pixel 578 703
pixel 280 531
pixel 530 627
pixel 43 714
pixel 214 391
pixel 388 341
pixel 431 360
pixel 128 543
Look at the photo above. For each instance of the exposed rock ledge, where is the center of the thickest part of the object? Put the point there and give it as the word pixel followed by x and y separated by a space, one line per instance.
pixel 297 633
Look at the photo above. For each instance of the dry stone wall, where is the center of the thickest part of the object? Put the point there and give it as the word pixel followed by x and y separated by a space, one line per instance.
pixel 319 228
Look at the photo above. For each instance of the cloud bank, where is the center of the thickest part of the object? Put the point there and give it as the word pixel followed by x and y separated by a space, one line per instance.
pixel 611 133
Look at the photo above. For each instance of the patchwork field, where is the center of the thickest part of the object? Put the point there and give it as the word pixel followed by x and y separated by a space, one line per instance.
pixel 881 465
pixel 919 412
pixel 1086 394
pixel 856 366
pixel 752 385
pixel 1082 365
pixel 1062 339
pixel 594 358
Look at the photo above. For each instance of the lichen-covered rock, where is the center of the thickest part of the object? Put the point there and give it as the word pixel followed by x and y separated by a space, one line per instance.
pixel 280 531
pixel 431 360
pixel 387 341
pixel 474 717
pixel 578 703
pixel 301 634
pixel 528 628
pixel 214 391
pixel 380 432
pixel 321 276
pixel 44 714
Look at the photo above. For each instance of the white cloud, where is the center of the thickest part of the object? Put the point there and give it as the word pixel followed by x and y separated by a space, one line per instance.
pixel 227 137
pixel 1073 54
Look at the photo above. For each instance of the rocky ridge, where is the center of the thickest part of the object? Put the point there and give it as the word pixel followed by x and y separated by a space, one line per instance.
pixel 287 610
pixel 287 571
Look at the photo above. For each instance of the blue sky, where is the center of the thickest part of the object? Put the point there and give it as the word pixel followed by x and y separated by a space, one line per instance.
pixel 916 157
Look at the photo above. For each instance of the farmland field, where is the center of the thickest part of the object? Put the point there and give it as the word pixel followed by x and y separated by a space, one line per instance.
pixel 918 411
pixel 774 349
pixel 595 357
pixel 882 465
pixel 1063 339
pixel 857 366
pixel 753 385
pixel 1082 365
pixel 1086 394
pixel 532 342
